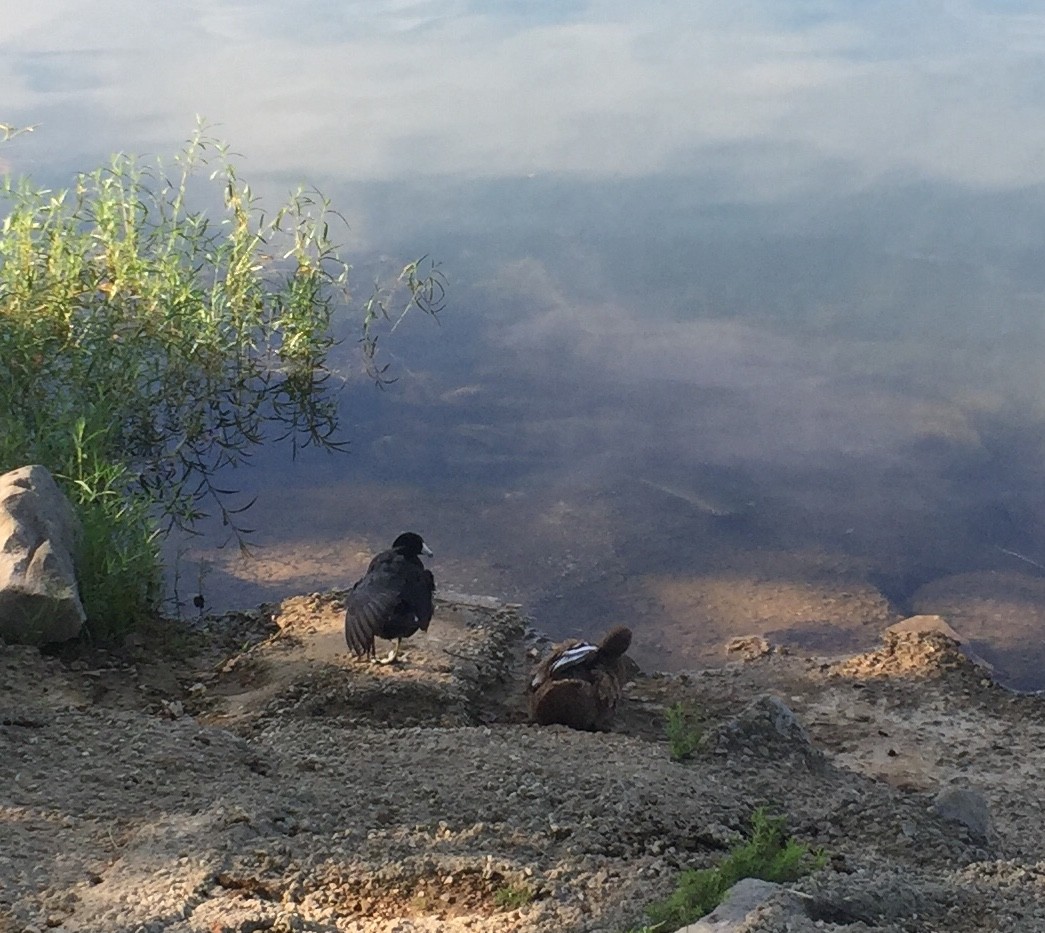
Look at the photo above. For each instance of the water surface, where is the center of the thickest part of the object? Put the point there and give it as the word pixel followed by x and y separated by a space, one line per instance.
pixel 745 329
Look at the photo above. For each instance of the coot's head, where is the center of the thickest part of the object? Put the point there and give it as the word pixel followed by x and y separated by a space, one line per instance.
pixel 411 545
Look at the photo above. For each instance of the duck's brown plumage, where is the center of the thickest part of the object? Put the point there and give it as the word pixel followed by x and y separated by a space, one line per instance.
pixel 580 684
pixel 392 600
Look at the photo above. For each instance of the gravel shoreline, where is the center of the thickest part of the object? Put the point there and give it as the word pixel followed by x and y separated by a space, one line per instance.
pixel 279 786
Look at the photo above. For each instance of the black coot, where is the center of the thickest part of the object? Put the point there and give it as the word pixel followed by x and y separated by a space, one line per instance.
pixel 392 600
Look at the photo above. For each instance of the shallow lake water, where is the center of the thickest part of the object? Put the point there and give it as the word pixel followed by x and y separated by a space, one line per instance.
pixel 744 328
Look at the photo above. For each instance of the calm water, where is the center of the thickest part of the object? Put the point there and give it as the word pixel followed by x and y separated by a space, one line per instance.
pixel 746 301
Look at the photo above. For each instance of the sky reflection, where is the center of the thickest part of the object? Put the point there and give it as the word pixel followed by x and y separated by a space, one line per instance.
pixel 769 94
pixel 745 299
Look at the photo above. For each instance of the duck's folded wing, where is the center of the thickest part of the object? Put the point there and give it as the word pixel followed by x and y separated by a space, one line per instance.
pixel 566 660
pixel 573 657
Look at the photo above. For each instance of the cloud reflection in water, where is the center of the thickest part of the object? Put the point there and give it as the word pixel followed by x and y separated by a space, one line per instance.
pixel 782 261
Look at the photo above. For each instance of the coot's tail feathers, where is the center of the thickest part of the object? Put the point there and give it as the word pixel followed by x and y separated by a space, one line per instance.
pixel 359 638
pixel 615 643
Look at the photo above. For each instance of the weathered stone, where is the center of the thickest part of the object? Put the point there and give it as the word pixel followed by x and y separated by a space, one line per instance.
pixel 749 647
pixel 39 596
pixel 965 806
pixel 767 726
pixel 922 624
pixel 742 900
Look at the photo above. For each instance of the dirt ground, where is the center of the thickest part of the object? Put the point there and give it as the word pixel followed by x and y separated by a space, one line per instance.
pixel 248 775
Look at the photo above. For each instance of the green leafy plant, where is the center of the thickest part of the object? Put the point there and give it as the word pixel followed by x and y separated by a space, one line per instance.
pixel 512 896
pixel 769 854
pixel 148 347
pixel 683 731
pixel 119 559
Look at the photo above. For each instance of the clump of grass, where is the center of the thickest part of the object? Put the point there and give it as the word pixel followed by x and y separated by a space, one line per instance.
pixel 683 731
pixel 769 855
pixel 512 896
pixel 118 555
pixel 147 348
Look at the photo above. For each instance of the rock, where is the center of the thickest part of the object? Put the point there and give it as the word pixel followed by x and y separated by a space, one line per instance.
pixel 39 596
pixel 998 614
pixel 749 647
pixel 937 627
pixel 966 806
pixel 922 624
pixel 768 727
pixel 921 646
pixel 452 598
pixel 743 899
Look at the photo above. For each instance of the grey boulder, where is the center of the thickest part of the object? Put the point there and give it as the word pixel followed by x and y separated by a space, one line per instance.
pixel 743 904
pixel 965 806
pixel 767 727
pixel 39 595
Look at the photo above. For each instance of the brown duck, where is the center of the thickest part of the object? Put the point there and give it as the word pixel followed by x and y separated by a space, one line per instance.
pixel 580 684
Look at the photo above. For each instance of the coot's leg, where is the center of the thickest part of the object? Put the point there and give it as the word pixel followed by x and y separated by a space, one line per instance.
pixel 393 655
